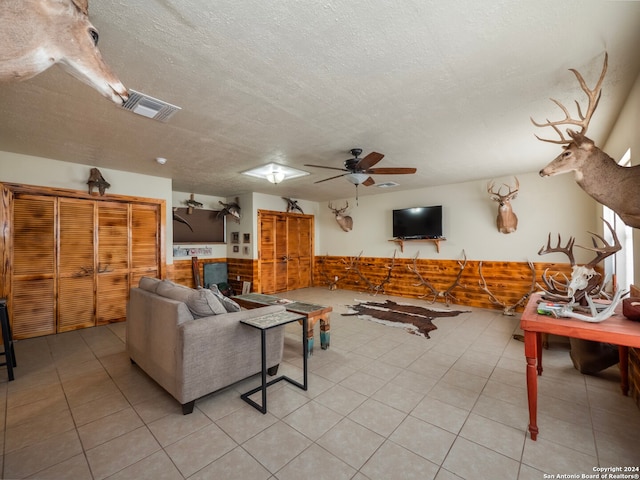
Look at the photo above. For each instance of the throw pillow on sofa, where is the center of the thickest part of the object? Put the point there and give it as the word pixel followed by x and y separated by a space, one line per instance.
pixel 201 303
pixel 229 305
pixel 150 284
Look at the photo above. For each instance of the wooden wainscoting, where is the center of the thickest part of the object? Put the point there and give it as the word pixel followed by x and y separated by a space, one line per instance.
pixel 182 271
pixel 247 270
pixel 508 281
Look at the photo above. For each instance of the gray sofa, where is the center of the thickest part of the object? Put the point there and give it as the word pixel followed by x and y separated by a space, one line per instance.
pixel 190 344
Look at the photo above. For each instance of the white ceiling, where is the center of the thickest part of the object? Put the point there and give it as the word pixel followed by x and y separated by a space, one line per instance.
pixel 444 86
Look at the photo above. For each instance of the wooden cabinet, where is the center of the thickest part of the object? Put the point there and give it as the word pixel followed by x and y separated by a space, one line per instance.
pixel 285 250
pixel 71 258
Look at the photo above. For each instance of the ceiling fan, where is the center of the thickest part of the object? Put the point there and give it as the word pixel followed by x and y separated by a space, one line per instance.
pixel 359 170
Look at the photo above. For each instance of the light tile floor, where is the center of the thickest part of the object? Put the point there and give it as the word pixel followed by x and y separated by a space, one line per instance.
pixel 382 404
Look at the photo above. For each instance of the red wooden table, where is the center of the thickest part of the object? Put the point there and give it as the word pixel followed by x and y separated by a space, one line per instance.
pixel 616 330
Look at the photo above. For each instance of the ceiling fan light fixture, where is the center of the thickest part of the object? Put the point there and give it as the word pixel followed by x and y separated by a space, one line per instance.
pixel 357 178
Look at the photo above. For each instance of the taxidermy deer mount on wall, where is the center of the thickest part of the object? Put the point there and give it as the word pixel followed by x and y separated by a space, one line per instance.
pixel 345 221
pixel 595 172
pixel 39 33
pixel 507 221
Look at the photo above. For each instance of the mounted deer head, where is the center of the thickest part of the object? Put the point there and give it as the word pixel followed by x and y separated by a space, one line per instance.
pixel 345 221
pixel 39 33
pixel 506 221
pixel 595 172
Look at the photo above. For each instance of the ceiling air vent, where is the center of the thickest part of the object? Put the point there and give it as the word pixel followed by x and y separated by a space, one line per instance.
pixel 149 107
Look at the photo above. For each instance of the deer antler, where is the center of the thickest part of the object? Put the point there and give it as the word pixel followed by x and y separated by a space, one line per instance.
pixel 497 196
pixel 508 310
pixel 374 289
pixel 604 251
pixel 583 120
pixel 333 283
pixel 568 249
pixel 446 294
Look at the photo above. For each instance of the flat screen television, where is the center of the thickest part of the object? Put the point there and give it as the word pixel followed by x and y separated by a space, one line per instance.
pixel 418 222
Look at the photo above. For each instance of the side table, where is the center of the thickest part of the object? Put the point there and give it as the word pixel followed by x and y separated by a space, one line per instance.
pixel 265 323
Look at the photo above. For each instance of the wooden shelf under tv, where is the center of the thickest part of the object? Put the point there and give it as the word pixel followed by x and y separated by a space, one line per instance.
pixel 400 241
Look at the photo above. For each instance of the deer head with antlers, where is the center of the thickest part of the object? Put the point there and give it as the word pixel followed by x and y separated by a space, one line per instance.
pixel 595 172
pixel 37 34
pixel 507 221
pixel 345 221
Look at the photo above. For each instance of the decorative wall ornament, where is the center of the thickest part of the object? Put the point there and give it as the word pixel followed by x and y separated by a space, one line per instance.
pixel 292 205
pixel 585 281
pixel 506 221
pixel 96 180
pixel 508 310
pixel 192 203
pixel 232 209
pixel 373 288
pixel 178 218
pixel 432 290
pixel 331 282
pixel 595 172
pixel 37 34
pixel 345 221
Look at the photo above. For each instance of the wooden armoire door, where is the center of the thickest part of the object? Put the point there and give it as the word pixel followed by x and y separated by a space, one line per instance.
pixel 33 262
pixel 285 251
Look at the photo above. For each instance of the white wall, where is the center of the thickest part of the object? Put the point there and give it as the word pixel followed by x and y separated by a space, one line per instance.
pixel 624 136
pixel 550 205
pixel 29 170
pixel 543 205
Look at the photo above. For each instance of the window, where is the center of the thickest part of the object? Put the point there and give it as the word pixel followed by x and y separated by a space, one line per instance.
pixel 620 265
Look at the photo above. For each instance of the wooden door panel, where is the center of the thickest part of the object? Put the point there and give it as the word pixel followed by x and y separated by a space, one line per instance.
pixel 113 236
pixel 76 305
pixel 34 240
pixel 33 308
pixel 33 290
pixel 113 292
pixel 145 241
pixel 76 264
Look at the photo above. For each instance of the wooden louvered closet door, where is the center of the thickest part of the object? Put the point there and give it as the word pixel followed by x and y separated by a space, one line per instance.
pixel 112 287
pixel 33 287
pixel 145 241
pixel 76 264
pixel 71 258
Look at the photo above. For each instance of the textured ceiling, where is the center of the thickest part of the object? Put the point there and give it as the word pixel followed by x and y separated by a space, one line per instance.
pixel 444 86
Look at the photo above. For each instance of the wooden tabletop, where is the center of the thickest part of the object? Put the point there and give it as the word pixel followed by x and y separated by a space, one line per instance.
pixel 616 329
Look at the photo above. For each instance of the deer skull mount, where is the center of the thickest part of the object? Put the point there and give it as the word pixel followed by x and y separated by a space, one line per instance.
pixel 507 221
pixel 595 172
pixel 585 281
pixel 37 34
pixel 345 221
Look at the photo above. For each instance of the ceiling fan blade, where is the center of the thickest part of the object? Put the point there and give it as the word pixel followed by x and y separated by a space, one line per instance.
pixel 331 178
pixel 391 171
pixel 368 182
pixel 330 168
pixel 369 161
